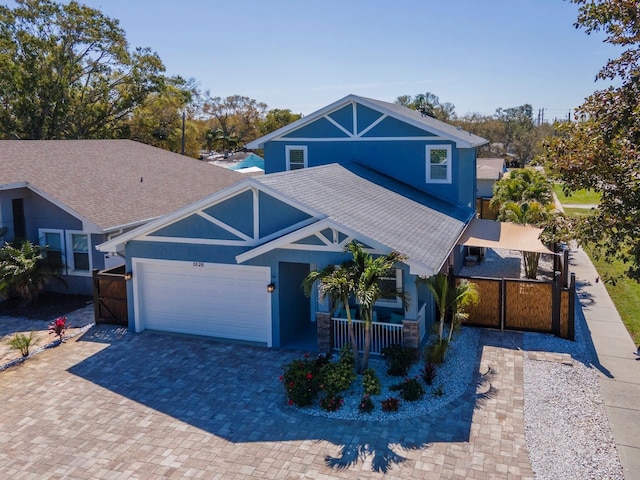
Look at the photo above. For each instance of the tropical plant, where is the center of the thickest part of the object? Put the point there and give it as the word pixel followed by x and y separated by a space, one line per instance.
pixel 338 285
pixel 462 296
pixel 24 270
pixel 449 299
pixel 58 327
pixel 368 271
pixel 366 404
pixel 21 342
pixel 428 373
pixel 398 359
pixel 371 382
pixel 390 404
pixel 410 389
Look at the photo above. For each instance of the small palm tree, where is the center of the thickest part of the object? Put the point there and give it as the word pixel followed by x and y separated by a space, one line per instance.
pixel 337 284
pixel 24 270
pixel 368 273
pixel 450 299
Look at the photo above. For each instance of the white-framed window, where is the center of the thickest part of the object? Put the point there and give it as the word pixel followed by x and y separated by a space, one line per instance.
pixel 69 250
pixel 391 284
pixel 296 156
pixel 438 164
pixel 54 247
pixel 78 252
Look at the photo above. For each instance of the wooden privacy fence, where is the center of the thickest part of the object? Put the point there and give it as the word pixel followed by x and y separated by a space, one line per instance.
pixel 529 305
pixel 110 296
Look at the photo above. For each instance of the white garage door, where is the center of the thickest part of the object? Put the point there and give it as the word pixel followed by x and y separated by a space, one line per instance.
pixel 226 301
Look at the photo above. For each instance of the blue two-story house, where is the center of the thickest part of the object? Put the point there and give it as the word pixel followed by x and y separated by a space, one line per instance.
pixel 231 265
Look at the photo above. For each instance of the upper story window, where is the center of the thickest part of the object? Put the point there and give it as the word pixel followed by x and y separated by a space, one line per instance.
pixel 438 164
pixel 296 157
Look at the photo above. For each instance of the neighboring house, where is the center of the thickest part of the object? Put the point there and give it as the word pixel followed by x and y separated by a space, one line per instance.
pixel 72 195
pixel 231 265
pixel 488 172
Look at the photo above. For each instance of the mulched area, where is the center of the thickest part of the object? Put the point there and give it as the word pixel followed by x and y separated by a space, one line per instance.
pixel 48 306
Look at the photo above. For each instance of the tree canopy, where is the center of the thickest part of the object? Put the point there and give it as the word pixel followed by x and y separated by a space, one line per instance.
pixel 601 151
pixel 66 71
pixel 428 104
pixel 233 121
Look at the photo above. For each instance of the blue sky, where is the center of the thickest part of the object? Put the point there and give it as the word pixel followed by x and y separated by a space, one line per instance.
pixel 303 55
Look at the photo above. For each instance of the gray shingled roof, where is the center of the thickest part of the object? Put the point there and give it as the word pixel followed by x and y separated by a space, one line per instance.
pixel 110 183
pixel 392 213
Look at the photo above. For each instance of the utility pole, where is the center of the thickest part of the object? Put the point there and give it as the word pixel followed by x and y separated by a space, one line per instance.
pixel 184 115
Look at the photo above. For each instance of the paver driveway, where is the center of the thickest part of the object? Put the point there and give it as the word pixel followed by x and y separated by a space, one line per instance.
pixel 154 406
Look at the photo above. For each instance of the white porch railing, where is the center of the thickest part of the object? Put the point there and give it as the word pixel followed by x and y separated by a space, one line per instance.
pixel 382 334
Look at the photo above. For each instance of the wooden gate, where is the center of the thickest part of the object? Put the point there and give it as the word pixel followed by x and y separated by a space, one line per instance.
pixel 110 296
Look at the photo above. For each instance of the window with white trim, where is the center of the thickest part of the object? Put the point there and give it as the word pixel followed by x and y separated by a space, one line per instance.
pixel 53 243
pixel 78 258
pixel 296 157
pixel 68 250
pixel 438 164
pixel 391 284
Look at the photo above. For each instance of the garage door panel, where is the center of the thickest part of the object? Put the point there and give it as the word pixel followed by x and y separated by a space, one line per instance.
pixel 227 301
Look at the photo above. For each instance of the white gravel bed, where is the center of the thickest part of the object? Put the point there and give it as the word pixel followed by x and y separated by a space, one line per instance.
pixel 454 377
pixel 566 426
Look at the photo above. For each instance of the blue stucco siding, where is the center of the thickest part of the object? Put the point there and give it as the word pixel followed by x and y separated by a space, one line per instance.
pixel 276 215
pixel 404 160
pixel 195 226
pixel 366 116
pixel 236 212
pixel 391 127
pixel 321 128
pixel 344 117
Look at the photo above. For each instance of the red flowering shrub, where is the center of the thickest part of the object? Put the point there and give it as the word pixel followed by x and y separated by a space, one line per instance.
pixel 331 403
pixel 301 380
pixel 391 404
pixel 366 404
pixel 58 327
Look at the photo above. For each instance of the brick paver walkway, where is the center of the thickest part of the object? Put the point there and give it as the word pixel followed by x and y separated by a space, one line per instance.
pixel 157 406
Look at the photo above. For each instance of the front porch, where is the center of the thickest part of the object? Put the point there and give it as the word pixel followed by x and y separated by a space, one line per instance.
pixel 333 332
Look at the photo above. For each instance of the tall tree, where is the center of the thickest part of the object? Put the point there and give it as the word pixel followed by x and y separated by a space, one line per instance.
pixel 66 71
pixel 277 118
pixel 234 120
pixel 602 151
pixel 429 105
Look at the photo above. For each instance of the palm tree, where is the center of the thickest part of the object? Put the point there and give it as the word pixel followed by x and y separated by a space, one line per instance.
pixel 25 270
pixel 450 299
pixel 532 213
pixel 462 296
pixel 367 274
pixel 338 285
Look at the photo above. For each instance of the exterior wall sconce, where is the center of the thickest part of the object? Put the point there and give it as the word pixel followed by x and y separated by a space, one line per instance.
pixel 128 276
pixel 271 287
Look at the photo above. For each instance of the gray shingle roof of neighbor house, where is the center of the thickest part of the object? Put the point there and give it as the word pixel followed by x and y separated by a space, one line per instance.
pixel 392 213
pixel 110 183
pixel 489 168
pixel 462 138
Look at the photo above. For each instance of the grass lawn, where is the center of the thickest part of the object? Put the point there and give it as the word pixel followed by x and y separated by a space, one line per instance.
pixel 577 212
pixel 625 294
pixel 581 197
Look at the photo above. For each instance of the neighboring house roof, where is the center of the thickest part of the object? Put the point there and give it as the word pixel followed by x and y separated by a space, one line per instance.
pixel 444 130
pixel 389 212
pixel 490 168
pixel 109 183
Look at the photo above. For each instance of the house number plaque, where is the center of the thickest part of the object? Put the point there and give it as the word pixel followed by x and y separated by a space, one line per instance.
pixel 198 264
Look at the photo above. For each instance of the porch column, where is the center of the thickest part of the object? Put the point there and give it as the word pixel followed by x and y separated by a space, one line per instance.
pixel 323 322
pixel 411 335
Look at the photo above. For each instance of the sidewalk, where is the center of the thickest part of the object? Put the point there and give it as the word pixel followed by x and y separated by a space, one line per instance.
pixel 616 360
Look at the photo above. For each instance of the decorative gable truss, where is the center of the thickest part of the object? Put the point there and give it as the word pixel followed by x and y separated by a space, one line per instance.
pixel 322 236
pixel 248 215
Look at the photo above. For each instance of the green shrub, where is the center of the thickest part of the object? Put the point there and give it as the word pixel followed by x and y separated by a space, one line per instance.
pixel 366 404
pixel 346 355
pixel 336 377
pixel 21 342
pixel 398 359
pixel 371 382
pixel 390 404
pixel 410 389
pixel 435 352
